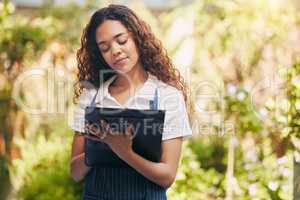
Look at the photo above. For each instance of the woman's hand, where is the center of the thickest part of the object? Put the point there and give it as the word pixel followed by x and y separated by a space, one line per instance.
pixel 120 143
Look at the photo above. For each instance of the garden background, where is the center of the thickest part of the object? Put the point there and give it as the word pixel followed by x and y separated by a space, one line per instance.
pixel 239 57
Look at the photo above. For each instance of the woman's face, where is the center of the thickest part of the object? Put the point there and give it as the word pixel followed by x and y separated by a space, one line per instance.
pixel 117 46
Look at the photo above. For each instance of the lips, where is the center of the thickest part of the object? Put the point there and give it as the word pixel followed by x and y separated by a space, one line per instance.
pixel 120 60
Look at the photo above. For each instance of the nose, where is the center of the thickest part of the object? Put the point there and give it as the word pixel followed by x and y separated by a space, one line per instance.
pixel 116 50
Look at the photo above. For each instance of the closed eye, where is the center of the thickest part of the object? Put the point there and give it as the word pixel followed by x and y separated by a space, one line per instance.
pixel 104 48
pixel 122 41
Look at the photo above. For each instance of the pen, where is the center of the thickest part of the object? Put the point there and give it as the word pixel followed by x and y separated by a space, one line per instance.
pixel 154 103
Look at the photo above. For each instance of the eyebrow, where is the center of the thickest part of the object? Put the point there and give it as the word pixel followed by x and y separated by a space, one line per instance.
pixel 119 34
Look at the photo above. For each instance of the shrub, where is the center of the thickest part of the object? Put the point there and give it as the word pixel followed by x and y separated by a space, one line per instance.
pixel 43 171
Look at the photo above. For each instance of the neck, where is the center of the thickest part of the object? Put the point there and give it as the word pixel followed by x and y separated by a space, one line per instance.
pixel 131 79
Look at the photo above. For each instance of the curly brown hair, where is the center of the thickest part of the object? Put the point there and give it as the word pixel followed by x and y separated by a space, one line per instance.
pixel 152 55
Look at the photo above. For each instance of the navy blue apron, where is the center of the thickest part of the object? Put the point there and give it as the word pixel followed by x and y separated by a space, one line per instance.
pixel 121 183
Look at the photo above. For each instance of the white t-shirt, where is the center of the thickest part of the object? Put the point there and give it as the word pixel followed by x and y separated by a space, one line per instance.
pixel 170 99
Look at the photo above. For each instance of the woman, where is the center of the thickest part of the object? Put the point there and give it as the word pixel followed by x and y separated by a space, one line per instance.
pixel 122 64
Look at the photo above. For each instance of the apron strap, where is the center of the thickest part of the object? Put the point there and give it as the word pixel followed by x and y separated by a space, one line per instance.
pixel 93 103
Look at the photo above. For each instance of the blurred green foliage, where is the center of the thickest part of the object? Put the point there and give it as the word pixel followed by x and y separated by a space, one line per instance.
pixel 293 103
pixel 43 173
pixel 20 37
pixel 195 182
pixel 291 108
pixel 233 38
pixel 68 21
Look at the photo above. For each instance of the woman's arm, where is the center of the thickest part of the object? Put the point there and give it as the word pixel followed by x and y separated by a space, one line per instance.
pixel 162 173
pixel 77 166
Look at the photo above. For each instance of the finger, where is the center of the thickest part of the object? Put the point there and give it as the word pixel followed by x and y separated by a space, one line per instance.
pixel 93 129
pixel 88 126
pixel 105 126
pixel 103 135
pixel 129 130
pixel 103 123
pixel 113 131
pixel 109 130
pixel 95 138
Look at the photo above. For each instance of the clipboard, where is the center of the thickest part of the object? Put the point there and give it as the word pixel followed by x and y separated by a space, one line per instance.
pixel 147 136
